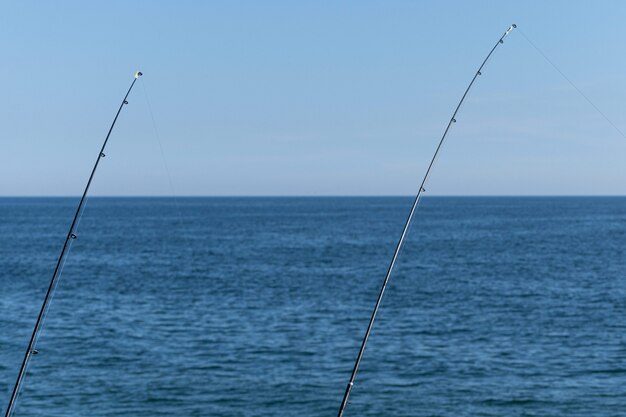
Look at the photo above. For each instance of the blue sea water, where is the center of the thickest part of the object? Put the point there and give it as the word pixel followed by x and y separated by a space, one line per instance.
pixel 256 307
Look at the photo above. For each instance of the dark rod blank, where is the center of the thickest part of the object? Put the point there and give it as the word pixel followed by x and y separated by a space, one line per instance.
pixel 357 363
pixel 71 235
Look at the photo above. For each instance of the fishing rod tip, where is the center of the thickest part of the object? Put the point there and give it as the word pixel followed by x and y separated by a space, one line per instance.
pixel 513 26
pixel 138 74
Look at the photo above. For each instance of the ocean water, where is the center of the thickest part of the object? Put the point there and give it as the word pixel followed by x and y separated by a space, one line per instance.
pixel 256 307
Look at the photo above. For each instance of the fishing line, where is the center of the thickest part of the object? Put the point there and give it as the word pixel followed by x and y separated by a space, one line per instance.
pixel 407 225
pixel 165 165
pixel 549 61
pixel 158 138
pixel 71 235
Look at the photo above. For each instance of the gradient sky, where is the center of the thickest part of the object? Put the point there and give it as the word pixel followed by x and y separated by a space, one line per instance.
pixel 311 98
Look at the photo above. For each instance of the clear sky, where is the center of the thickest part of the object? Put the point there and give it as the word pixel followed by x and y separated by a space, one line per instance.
pixel 311 98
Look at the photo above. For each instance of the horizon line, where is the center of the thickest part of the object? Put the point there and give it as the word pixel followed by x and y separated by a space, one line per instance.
pixel 318 196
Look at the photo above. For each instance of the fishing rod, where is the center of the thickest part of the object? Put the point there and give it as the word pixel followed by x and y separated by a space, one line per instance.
pixel 346 395
pixel 71 235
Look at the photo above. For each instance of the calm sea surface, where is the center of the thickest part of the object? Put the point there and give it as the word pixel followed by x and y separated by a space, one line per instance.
pixel 256 307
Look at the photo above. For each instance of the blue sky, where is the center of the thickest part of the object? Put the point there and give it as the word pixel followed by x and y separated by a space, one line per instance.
pixel 311 98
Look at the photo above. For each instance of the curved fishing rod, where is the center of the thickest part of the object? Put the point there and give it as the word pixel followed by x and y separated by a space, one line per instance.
pixel 357 363
pixel 71 235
